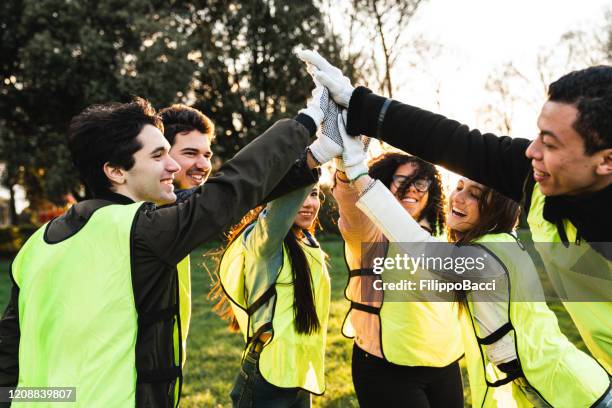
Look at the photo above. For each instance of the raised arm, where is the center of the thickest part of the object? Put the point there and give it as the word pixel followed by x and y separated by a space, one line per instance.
pixel 241 184
pixel 266 238
pixel 498 162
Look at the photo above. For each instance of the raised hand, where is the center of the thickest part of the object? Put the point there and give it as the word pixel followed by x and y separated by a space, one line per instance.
pixel 329 142
pixel 317 104
pixel 339 85
pixel 354 154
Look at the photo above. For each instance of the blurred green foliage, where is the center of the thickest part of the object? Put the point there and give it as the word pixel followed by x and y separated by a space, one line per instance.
pixel 231 59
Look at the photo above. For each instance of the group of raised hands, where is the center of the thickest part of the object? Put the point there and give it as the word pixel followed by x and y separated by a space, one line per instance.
pixel 348 152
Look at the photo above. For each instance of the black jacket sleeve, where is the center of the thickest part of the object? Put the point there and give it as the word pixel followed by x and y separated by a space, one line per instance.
pixel 9 342
pixel 298 176
pixel 498 162
pixel 242 183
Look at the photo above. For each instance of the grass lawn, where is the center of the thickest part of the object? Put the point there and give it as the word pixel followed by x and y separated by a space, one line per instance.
pixel 213 353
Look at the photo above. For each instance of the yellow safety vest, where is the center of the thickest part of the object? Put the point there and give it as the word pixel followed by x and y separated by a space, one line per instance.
pixel 289 359
pixel 560 373
pixel 75 287
pixel 184 282
pixel 412 333
pixel 566 268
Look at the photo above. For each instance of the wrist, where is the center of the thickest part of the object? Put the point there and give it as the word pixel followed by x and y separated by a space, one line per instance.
pixel 311 160
pixel 341 176
pixel 356 171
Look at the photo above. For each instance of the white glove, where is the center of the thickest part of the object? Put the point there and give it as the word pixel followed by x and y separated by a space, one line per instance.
pixel 339 86
pixel 317 103
pixel 354 155
pixel 329 142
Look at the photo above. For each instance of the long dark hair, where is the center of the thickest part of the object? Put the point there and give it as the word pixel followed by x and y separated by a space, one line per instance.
pixel 498 214
pixel 306 320
pixel 383 168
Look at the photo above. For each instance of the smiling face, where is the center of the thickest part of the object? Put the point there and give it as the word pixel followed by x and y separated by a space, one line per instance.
pixel 413 200
pixel 463 211
pixel 309 211
pixel 151 177
pixel 192 152
pixel 560 164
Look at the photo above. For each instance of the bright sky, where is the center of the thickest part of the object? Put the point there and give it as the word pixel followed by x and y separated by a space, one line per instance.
pixel 480 35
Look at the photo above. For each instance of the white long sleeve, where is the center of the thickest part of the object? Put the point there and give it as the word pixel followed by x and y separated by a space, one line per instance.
pixel 388 214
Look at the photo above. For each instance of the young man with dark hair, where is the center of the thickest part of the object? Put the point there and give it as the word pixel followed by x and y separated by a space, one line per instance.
pixel 563 178
pixel 95 300
pixel 190 134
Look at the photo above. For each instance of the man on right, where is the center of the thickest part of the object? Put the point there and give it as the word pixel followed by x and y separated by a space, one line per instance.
pixel 563 178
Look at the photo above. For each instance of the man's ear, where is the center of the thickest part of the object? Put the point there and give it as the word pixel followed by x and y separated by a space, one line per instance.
pixel 114 173
pixel 604 164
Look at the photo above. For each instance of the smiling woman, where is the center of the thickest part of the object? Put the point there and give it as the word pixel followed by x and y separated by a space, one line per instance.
pixel 274 286
pixel 405 353
pixel 416 184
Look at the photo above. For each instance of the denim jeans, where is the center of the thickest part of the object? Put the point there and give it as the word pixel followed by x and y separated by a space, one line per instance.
pixel 251 390
pixel 606 402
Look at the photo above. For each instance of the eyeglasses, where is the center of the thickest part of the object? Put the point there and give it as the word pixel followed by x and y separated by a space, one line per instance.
pixel 421 185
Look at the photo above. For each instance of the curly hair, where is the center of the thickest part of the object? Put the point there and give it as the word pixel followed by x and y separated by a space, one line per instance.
pixel 383 168
pixel 590 90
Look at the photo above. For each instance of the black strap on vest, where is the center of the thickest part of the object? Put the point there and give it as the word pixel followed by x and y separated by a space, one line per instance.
pixel 271 291
pixel 159 375
pixel 365 308
pixel 146 319
pixel 496 335
pixel 512 369
pixel 361 272
pixel 511 377
pixel 262 329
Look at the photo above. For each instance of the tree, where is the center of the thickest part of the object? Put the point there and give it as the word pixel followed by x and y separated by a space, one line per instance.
pixel 61 56
pixel 383 24
pixel 511 88
pixel 248 76
pixel 233 60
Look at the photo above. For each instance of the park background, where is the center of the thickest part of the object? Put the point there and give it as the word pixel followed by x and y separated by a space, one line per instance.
pixel 486 63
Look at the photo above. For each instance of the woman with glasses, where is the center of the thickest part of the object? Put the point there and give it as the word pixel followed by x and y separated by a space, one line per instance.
pixel 405 353
pixel 511 337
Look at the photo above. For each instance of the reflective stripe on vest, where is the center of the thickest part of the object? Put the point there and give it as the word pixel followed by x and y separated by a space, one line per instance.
pixel 184 282
pixel 412 333
pixel 289 359
pixel 591 318
pixel 77 316
pixel 560 373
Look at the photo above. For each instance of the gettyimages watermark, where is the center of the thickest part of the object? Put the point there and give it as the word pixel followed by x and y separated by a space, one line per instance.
pixel 492 272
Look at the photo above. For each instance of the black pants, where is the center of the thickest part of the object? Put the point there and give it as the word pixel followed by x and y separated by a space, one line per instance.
pixel 379 383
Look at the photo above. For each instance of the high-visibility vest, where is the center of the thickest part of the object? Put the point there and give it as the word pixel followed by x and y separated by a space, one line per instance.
pixel 184 282
pixel 561 374
pixel 577 271
pixel 77 316
pixel 289 359
pixel 412 333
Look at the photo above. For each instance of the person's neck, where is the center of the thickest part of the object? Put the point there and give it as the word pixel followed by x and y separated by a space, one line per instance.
pixel 114 197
